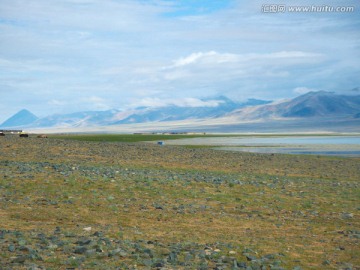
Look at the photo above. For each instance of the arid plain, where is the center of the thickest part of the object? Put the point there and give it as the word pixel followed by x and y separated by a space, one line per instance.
pixel 68 204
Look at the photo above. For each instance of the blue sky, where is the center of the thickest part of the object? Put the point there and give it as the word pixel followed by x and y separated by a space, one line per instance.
pixel 63 56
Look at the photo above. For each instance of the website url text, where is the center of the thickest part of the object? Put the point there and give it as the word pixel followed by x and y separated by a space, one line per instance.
pixel 274 8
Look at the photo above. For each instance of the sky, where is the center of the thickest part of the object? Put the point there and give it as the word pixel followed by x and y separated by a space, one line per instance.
pixel 64 56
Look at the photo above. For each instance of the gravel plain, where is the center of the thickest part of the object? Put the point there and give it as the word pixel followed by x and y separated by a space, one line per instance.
pixel 98 205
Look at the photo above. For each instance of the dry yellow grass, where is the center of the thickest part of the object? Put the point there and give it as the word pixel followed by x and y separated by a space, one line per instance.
pixel 292 205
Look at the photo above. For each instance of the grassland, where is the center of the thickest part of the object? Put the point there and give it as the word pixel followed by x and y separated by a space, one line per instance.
pixel 159 137
pixel 125 137
pixel 105 204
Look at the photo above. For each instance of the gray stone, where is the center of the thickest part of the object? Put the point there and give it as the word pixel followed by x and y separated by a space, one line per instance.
pixel 35 256
pixel 276 263
pixel 57 230
pixel 22 242
pixel 250 257
pixel 123 254
pixel 98 234
pixel 114 252
pixel 24 249
pixel 159 264
pixel 347 215
pixel 35 267
pixel 147 262
pixel 83 242
pixel 269 257
pixel 80 250
pixel 20 259
pixel 11 248
pixel 90 252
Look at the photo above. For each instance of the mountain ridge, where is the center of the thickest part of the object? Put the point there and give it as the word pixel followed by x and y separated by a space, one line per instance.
pixel 21 118
pixel 309 105
pixel 312 105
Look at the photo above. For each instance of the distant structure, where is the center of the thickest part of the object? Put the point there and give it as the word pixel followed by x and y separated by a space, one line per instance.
pixel 11 131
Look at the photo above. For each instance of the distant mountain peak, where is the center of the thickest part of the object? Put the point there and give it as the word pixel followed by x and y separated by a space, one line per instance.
pixel 322 103
pixel 22 118
pixel 311 104
pixel 24 111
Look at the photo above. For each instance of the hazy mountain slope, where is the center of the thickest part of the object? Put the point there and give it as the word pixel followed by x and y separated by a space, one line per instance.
pixel 77 119
pixel 321 104
pixel 312 104
pixel 173 113
pixel 223 105
pixel 21 118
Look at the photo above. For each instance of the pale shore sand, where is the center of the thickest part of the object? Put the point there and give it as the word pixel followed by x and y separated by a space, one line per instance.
pixel 317 145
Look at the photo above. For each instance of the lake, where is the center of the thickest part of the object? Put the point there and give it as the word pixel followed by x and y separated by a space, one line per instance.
pixel 316 145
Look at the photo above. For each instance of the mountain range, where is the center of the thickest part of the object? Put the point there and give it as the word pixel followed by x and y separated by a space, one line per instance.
pixel 222 110
pixel 310 105
pixel 219 106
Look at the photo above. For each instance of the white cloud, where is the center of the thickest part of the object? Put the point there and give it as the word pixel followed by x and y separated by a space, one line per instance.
pixel 95 102
pixel 221 66
pixel 56 102
pixel 303 90
pixel 213 57
pixel 181 102
pixel 194 58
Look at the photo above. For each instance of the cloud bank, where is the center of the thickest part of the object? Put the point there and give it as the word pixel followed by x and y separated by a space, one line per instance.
pixel 63 56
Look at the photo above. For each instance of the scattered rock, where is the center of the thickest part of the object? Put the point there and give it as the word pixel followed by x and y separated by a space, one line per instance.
pixel 90 252
pixel 11 248
pixel 80 250
pixel 250 257
pixel 20 259
pixel 347 215
pixel 57 230
pixel 87 229
pixel 83 242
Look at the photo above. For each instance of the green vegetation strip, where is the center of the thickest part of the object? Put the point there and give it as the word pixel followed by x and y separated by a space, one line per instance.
pixel 126 137
pixel 159 137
